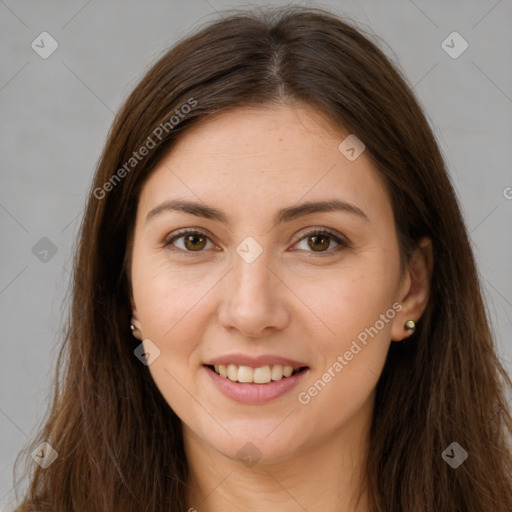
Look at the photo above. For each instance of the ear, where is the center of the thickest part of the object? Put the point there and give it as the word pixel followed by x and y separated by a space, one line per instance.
pixel 137 332
pixel 414 289
pixel 127 263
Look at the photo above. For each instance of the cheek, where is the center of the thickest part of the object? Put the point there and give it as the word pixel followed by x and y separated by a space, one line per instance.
pixel 170 306
pixel 174 306
pixel 350 359
pixel 166 295
pixel 356 307
pixel 351 298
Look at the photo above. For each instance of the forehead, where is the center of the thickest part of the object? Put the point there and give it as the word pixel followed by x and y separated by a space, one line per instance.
pixel 252 159
pixel 290 130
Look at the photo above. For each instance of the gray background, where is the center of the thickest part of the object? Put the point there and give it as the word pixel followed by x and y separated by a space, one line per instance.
pixel 56 112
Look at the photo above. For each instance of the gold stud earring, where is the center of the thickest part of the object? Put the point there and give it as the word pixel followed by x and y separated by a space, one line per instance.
pixel 410 326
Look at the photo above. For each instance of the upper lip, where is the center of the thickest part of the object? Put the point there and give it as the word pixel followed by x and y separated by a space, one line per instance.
pixel 254 361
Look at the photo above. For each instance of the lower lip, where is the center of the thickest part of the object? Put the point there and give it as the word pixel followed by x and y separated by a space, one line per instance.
pixel 250 393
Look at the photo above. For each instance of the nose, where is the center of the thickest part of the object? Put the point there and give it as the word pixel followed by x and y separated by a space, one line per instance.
pixel 254 299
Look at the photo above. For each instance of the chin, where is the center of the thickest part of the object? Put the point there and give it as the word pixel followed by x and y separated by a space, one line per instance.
pixel 257 446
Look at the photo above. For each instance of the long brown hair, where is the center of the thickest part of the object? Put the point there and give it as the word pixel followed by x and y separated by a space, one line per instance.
pixel 119 444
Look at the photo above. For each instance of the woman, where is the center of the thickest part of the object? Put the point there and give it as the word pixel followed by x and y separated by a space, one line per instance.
pixel 275 301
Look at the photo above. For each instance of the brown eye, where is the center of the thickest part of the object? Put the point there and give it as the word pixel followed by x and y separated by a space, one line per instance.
pixel 194 242
pixel 189 241
pixel 319 241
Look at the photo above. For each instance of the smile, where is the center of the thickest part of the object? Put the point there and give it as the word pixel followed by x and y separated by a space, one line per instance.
pixel 259 375
pixel 256 386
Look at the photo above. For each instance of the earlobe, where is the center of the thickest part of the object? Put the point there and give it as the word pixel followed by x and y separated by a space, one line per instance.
pixel 136 329
pixel 415 291
pixel 135 325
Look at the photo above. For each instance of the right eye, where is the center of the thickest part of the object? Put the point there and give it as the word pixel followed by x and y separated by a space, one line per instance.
pixel 192 241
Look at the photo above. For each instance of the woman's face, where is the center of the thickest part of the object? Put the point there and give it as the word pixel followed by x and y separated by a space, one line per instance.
pixel 261 284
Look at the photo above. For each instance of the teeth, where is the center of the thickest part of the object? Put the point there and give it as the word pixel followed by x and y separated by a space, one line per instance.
pixel 287 371
pixel 277 372
pixel 245 374
pixel 260 375
pixel 232 372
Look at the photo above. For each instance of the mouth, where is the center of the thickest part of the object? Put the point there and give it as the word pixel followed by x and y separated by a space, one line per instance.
pixel 255 375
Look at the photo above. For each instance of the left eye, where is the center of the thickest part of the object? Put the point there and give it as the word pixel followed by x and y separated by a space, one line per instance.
pixel 195 241
pixel 321 240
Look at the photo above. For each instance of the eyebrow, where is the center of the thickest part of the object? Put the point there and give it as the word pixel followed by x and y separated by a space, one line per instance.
pixel 283 215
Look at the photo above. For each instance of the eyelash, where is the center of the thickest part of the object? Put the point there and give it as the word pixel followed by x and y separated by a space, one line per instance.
pixel 342 244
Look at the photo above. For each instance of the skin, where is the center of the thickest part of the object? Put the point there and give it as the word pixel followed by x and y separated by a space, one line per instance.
pixel 305 301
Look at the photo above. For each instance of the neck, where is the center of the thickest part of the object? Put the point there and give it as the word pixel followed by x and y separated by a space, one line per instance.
pixel 325 476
